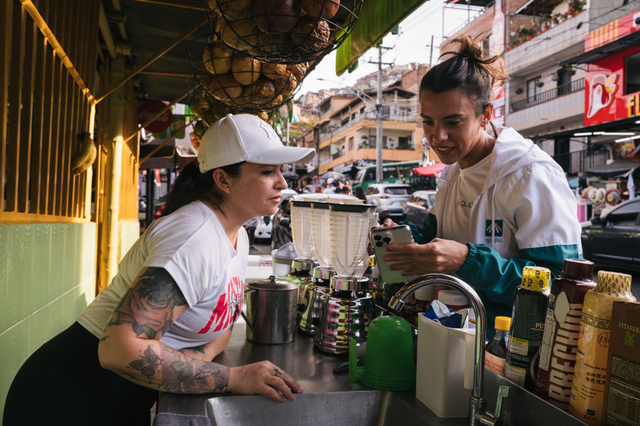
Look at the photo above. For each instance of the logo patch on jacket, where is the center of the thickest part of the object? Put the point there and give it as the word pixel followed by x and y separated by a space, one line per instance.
pixel 497 225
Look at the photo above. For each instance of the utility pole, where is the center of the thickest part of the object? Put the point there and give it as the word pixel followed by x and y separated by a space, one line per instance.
pixel 379 114
pixel 431 53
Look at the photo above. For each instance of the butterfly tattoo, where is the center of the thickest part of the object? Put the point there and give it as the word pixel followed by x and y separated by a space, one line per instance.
pixel 147 365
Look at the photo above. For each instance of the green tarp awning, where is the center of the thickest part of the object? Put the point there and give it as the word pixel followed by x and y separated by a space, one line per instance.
pixel 377 19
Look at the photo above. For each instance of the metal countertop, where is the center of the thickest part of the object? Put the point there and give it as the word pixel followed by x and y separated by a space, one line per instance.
pixel 309 366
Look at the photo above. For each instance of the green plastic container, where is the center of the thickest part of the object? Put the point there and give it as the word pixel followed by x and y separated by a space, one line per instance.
pixel 389 362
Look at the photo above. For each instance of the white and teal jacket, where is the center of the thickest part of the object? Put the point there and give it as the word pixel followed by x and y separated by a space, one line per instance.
pixel 526 215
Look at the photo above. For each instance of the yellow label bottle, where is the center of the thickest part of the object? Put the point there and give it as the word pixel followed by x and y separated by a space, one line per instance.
pixel 587 392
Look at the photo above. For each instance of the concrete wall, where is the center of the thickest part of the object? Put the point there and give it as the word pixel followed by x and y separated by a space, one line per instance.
pixel 543 117
pixel 546 50
pixel 47 278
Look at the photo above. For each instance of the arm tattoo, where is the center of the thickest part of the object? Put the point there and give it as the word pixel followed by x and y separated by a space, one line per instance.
pixel 147 365
pixel 148 307
pixel 181 374
pixel 200 349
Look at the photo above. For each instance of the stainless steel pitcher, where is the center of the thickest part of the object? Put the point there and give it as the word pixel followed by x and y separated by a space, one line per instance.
pixel 271 311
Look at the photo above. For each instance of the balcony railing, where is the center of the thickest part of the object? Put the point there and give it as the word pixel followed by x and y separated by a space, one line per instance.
pixel 405 147
pixel 564 89
pixel 404 116
pixel 579 161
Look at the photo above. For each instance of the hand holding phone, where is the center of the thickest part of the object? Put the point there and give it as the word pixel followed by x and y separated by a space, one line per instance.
pixel 380 239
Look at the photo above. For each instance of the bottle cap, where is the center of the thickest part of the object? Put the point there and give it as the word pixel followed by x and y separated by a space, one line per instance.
pixel 613 282
pixel 503 323
pixel 426 293
pixel 578 269
pixel 452 298
pixel 536 278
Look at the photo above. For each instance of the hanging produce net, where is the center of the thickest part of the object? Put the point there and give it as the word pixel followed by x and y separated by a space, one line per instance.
pixel 203 111
pixel 283 31
pixel 241 83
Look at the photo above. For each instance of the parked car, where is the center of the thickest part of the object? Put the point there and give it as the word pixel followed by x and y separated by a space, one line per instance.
pixel 614 239
pixel 389 199
pixel 281 232
pixel 416 209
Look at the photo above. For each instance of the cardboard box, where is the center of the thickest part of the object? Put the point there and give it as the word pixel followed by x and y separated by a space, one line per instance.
pixel 622 385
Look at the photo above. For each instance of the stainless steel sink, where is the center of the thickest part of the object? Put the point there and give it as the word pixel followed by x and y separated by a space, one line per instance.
pixel 362 408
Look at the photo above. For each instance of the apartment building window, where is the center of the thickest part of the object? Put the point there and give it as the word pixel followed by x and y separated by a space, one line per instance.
pixel 632 69
pixel 533 91
pixel 353 116
pixel 350 144
pixel 362 110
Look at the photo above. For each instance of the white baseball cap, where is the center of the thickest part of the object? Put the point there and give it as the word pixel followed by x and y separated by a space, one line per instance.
pixel 245 137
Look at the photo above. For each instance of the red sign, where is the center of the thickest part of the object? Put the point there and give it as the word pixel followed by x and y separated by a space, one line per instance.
pixel 613 31
pixel 150 108
pixel 605 97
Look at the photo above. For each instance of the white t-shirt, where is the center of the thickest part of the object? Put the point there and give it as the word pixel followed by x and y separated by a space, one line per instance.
pixel 464 191
pixel 193 247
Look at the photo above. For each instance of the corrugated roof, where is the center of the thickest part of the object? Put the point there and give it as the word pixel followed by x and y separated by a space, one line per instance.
pixel 150 27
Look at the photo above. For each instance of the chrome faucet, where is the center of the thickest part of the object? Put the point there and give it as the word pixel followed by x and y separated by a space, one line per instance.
pixel 479 415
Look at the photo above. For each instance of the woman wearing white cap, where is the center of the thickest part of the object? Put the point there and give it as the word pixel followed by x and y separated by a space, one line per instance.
pixel 169 310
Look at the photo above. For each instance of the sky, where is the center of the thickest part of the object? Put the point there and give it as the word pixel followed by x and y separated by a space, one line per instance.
pixel 411 45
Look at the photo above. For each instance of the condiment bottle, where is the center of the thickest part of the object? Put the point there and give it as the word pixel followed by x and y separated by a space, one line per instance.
pixel 424 297
pixel 527 326
pixel 560 341
pixel 453 299
pixel 496 351
pixel 587 392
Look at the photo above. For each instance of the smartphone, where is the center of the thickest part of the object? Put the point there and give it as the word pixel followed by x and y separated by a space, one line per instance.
pixel 380 239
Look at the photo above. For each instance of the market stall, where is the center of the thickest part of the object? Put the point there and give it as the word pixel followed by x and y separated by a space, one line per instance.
pixel 612 184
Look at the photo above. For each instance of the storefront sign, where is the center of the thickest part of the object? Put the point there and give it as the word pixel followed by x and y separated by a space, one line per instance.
pixel 605 97
pixel 613 31
pixel 150 108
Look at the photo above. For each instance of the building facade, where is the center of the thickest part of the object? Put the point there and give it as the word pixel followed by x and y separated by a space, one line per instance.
pixel 544 46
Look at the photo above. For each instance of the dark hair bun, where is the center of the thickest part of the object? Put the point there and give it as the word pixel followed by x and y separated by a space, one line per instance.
pixel 463 66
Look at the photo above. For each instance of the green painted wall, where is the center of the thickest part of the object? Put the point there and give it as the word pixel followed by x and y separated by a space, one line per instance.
pixel 47 278
pixel 129 234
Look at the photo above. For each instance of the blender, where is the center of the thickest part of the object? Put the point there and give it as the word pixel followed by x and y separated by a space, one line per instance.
pixel 302 237
pixel 301 232
pixel 347 308
pixel 316 289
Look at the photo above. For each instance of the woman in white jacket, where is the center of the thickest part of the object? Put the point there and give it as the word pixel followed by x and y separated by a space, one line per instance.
pixel 502 203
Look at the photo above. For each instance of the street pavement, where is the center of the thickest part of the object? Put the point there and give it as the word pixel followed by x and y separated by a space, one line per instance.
pixel 264 247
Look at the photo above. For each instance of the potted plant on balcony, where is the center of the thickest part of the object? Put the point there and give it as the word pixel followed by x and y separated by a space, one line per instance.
pixel 518 90
pixel 555 76
pixel 557 18
pixel 569 70
pixel 575 7
pixel 539 83
pixel 525 33
pixel 545 25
